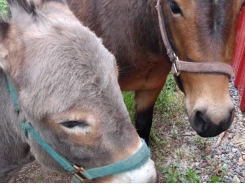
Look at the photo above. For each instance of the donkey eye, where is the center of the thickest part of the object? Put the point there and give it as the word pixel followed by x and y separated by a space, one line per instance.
pixel 72 124
pixel 175 8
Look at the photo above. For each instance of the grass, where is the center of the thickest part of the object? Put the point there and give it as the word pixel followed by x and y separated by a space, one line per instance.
pixel 4 9
pixel 218 170
pixel 129 101
pixel 165 99
pixel 173 175
pixel 168 105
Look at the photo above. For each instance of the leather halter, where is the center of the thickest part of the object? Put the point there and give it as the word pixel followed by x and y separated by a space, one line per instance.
pixel 179 66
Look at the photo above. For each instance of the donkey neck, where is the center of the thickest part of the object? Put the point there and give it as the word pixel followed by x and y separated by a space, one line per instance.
pixel 11 138
pixel 9 117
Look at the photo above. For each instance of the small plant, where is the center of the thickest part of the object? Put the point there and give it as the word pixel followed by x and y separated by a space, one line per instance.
pixel 40 178
pixel 173 175
pixel 157 138
pixel 219 171
pixel 199 142
pixel 192 176
pixel 216 179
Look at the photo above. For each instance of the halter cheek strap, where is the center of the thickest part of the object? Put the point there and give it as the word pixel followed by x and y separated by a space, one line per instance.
pixel 80 174
pixel 133 162
pixel 191 67
pixel 14 95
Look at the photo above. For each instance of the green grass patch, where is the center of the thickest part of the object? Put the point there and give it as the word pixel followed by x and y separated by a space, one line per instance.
pixel 166 103
pixel 129 101
pixel 173 175
pixel 4 9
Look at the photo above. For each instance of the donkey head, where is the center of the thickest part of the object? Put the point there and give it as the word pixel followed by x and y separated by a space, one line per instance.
pixel 68 90
pixel 204 31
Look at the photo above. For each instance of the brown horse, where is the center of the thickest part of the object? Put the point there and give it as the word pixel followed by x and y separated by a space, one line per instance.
pixel 67 87
pixel 199 31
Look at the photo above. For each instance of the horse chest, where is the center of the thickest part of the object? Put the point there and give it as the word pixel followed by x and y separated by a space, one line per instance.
pixel 144 75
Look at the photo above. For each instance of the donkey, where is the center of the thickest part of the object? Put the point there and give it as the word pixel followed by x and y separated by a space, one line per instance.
pixel 68 92
pixel 197 31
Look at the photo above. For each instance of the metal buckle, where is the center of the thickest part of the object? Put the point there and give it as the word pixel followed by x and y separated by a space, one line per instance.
pixel 176 72
pixel 79 175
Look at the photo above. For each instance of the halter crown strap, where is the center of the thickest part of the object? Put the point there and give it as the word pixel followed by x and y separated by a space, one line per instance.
pixel 135 161
pixel 165 39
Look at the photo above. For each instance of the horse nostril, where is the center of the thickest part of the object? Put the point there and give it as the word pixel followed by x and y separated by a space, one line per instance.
pixel 201 122
pixel 225 124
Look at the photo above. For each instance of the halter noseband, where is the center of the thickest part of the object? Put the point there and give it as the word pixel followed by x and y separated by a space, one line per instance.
pixel 178 66
pixel 135 161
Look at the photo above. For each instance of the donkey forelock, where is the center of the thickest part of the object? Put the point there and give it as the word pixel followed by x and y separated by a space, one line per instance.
pixel 70 54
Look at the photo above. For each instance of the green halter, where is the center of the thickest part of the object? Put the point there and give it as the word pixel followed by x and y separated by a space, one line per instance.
pixel 81 175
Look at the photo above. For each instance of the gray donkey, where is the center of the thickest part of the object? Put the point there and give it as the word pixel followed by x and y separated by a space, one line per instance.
pixel 69 99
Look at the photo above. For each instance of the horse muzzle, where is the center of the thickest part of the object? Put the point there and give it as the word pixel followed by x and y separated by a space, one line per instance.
pixel 201 121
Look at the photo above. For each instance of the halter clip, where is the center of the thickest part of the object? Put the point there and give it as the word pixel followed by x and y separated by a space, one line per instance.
pixel 176 71
pixel 79 174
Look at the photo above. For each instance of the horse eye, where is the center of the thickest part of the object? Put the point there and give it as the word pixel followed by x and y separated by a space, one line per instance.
pixel 72 124
pixel 175 8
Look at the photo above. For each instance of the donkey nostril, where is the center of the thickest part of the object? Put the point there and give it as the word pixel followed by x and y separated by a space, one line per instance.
pixel 200 122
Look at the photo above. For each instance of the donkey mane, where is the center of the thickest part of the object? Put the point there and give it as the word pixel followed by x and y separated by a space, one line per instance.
pixel 31 6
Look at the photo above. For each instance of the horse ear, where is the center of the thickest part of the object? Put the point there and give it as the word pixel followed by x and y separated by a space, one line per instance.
pixel 4 28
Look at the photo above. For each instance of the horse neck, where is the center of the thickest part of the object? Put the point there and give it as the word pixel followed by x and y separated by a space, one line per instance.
pixel 146 22
pixel 134 22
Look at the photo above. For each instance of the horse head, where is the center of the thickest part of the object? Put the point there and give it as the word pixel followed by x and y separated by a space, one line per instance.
pixel 204 32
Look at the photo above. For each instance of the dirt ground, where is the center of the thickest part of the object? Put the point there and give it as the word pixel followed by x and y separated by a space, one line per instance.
pixel 173 141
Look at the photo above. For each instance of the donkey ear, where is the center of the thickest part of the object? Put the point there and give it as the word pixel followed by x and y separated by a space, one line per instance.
pixel 4 28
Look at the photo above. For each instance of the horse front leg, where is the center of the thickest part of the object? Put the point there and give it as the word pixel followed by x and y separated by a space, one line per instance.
pixel 144 105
